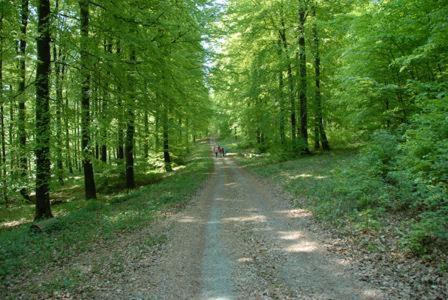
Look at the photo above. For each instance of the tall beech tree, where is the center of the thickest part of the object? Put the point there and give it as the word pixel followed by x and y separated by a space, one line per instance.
pixel 303 104
pixel 42 150
pixel 320 137
pixel 89 177
pixel 23 161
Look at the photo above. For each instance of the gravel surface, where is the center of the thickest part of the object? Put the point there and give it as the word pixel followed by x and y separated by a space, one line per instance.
pixel 239 239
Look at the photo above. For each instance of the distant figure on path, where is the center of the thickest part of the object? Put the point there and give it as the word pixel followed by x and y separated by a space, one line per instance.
pixel 216 150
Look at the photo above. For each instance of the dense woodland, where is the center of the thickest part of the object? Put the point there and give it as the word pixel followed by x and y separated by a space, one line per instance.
pixel 295 77
pixel 345 101
pixel 94 88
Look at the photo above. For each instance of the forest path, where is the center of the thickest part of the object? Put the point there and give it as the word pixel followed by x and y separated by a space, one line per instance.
pixel 239 239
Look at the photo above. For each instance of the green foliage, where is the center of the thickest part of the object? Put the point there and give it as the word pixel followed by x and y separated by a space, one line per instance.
pixel 101 220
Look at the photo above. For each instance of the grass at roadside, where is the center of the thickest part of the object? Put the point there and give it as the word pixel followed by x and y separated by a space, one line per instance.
pixel 24 252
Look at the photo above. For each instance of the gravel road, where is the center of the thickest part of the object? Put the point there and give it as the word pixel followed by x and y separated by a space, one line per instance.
pixel 240 239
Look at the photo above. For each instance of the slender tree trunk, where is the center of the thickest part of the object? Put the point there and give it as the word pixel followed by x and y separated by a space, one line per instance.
pixel 59 79
pixel 120 135
pixel 166 144
pixel 67 136
pixel 43 175
pixel 145 137
pixel 89 179
pixel 23 163
pixel 3 174
pixel 156 131
pixel 281 85
pixel 292 101
pixel 303 82
pixel 105 113
pixel 319 131
pixel 130 131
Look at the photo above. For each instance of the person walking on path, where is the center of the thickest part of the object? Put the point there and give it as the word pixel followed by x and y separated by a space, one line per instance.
pixel 216 150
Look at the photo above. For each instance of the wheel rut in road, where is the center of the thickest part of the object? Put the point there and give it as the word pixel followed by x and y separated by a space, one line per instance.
pixel 239 238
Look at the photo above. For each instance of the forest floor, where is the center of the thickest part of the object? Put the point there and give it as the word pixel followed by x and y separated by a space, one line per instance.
pixel 238 238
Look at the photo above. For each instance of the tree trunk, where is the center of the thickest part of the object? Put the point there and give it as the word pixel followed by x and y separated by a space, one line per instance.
pixel 281 85
pixel 319 131
pixel 23 162
pixel 59 79
pixel 120 136
pixel 42 152
pixel 4 190
pixel 293 118
pixel 130 130
pixel 67 137
pixel 89 179
pixel 302 79
pixel 145 137
pixel 166 144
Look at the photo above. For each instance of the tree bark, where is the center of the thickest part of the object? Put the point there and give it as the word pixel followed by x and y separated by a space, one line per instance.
pixel 166 144
pixel 89 178
pixel 42 151
pixel 23 161
pixel 281 101
pixel 320 137
pixel 59 79
pixel 145 137
pixel 3 174
pixel 130 130
pixel 293 118
pixel 302 79
pixel 120 136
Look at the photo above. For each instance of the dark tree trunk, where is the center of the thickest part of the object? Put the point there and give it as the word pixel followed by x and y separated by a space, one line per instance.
pixel 130 131
pixel 156 131
pixel 120 135
pixel 89 179
pixel 166 144
pixel 145 137
pixel 319 130
pixel 23 161
pixel 303 82
pixel 43 175
pixel 3 174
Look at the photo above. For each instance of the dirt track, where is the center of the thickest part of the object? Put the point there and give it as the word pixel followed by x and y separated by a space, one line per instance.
pixel 239 239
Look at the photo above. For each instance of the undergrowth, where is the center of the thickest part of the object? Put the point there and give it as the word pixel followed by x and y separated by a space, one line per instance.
pixel 83 223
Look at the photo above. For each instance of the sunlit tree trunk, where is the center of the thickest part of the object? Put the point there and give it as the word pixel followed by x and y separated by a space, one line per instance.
pixel 68 150
pixel 320 137
pixel 302 79
pixel 281 100
pixel 292 101
pixel 89 179
pixel 42 151
pixel 59 69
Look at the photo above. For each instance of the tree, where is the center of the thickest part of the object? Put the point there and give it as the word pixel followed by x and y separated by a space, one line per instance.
pixel 302 15
pixel 320 137
pixel 89 178
pixel 42 151
pixel 23 161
